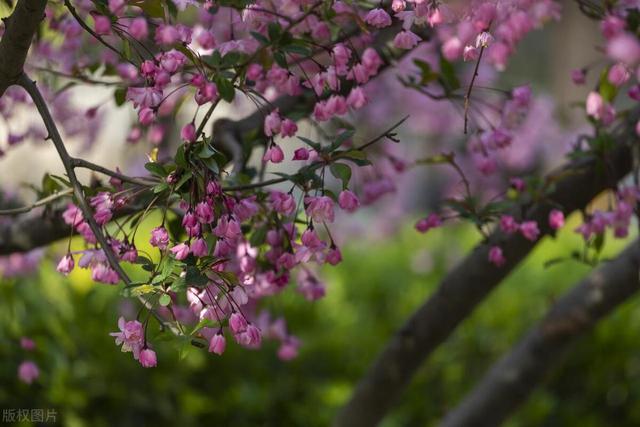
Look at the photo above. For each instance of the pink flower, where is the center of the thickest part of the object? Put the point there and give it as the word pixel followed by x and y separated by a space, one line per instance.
pixel 378 18
pixel 204 213
pixel 66 264
pixel 598 109
pixel 167 35
pixel 453 48
pixel 208 92
pixel 406 40
pixel 579 76
pixel 320 209
pixel 288 349
pixel 508 224
pixel 529 229
pixel 72 215
pixel 348 201
pixel 159 238
pixel 496 257
pixel 484 39
pixel 139 29
pixel 146 116
pixel 102 25
pixel 618 75
pixel 612 26
pixel 144 96
pixel 309 286
pixel 199 247
pixel 282 203
pixel 624 48
pixel 217 344
pixel 274 154
pixel 237 323
pixel 556 219
pixel 334 256
pixel 104 274
pixel 188 132
pixel 272 123
pixel 426 224
pixel 148 358
pixel 28 372
pixel 27 344
pixel 130 336
pixel 470 53
pixel 301 154
pixel 357 98
pixel 180 251
pixel 288 128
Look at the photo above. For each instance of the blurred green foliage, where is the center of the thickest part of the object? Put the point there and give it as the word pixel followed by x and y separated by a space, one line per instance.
pixel 90 383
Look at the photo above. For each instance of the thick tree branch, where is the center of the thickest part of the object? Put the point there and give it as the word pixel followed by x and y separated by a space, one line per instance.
pixel 471 281
pixel 20 28
pixel 510 380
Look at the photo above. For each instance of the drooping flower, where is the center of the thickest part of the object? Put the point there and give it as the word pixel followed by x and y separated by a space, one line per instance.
pixel 148 358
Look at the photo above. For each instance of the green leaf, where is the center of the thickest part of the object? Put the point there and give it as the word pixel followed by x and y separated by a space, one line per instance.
pixel 164 300
pixel 179 285
pixel 156 169
pixel 120 96
pixel 185 177
pixel 315 145
pixel 342 138
pixel 427 75
pixel 180 157
pixel 152 8
pixel 448 77
pixel 606 88
pixel 262 39
pixel 258 237
pixel 195 278
pixel 206 151
pixel 341 172
pixel 280 59
pixel 226 89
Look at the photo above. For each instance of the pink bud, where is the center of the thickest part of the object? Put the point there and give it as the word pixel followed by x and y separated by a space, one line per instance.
pixel 28 372
pixel 556 219
pixel 426 224
pixel 148 358
pixel 496 257
pixel 274 154
pixel 66 264
pixel 139 29
pixel 217 344
pixel 102 25
pixel 348 201
pixel 579 76
pixel 188 132
pixel 237 323
pixel 301 154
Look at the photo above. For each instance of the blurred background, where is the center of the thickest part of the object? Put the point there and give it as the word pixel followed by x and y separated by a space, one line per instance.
pixel 384 277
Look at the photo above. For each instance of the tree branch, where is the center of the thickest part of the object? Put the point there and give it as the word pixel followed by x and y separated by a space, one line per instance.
pixel 20 28
pixel 31 88
pixel 471 281
pixel 42 202
pixel 510 380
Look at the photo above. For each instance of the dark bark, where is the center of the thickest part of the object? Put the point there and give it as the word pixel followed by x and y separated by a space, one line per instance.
pixel 470 282
pixel 510 380
pixel 20 28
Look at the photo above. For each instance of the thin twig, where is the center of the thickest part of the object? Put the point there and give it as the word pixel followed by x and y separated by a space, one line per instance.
pixel 467 97
pixel 81 163
pixel 41 202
